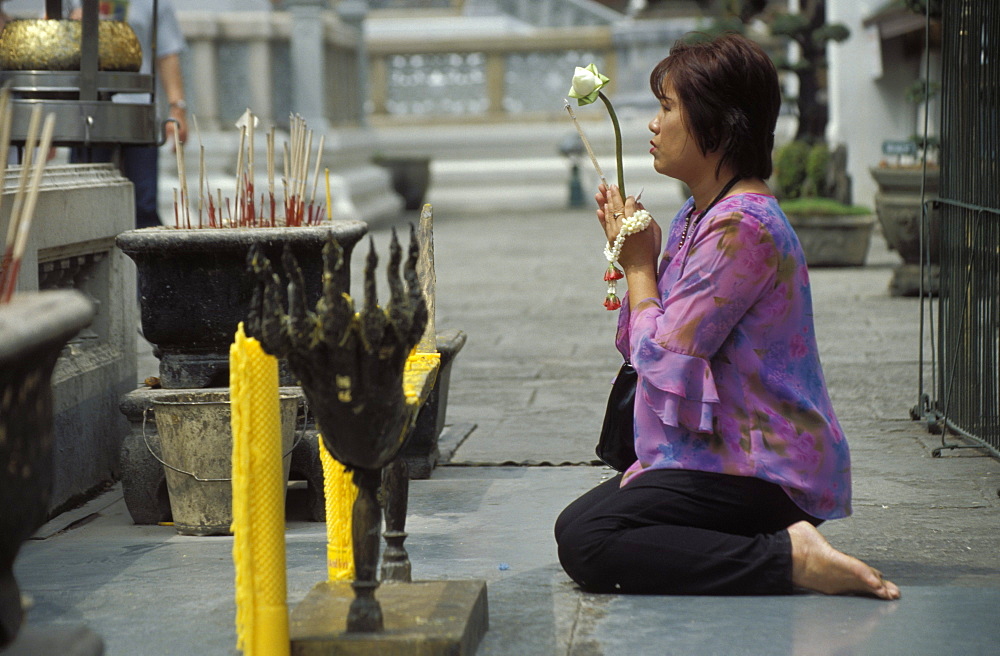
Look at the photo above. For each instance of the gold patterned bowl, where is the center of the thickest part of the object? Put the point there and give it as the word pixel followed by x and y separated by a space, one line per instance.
pixel 54 45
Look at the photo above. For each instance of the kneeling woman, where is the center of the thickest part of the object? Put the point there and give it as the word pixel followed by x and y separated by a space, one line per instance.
pixel 740 455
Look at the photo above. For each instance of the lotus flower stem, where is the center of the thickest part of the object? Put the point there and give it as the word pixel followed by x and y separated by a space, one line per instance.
pixel 618 142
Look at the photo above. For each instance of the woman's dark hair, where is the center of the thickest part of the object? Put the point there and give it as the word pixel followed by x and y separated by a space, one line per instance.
pixel 728 87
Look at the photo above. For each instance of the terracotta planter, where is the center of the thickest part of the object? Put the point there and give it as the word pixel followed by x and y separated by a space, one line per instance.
pixel 834 241
pixel 33 330
pixel 897 203
pixel 194 289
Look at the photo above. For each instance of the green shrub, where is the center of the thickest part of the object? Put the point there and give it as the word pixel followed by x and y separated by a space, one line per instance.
pixel 816 165
pixel 821 207
pixel 790 168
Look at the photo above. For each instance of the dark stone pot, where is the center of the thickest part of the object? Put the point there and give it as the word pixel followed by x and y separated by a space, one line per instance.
pixel 411 177
pixel 33 330
pixel 194 289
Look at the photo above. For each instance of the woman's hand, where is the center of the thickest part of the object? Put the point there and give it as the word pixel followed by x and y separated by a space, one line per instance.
pixel 640 249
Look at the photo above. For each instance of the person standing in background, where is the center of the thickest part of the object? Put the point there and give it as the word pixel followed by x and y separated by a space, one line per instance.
pixel 140 163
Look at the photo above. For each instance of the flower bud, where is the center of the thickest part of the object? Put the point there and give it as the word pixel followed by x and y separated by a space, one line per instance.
pixel 587 83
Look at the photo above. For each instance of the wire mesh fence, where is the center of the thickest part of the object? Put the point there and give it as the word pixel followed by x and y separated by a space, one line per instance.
pixel 968 372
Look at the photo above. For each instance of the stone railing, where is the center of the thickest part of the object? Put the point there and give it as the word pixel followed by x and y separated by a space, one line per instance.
pixel 264 61
pixel 482 78
pixel 267 61
pixel 558 13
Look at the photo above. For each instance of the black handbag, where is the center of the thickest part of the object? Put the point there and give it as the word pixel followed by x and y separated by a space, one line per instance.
pixel 616 446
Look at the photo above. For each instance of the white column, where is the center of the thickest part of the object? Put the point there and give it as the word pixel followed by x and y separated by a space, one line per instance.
pixel 256 30
pixel 201 78
pixel 308 61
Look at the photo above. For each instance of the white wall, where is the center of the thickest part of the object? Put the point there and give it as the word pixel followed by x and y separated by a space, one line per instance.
pixel 867 85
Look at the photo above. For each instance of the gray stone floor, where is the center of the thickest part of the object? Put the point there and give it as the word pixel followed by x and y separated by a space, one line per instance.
pixel 523 279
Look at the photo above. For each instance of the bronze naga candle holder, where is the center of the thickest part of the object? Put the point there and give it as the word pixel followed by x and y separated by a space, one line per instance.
pixel 351 368
pixel 54 45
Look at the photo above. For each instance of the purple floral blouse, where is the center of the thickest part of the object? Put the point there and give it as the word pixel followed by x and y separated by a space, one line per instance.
pixel 729 374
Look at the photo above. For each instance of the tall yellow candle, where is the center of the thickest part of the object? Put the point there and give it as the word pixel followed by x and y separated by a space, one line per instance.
pixel 258 501
pixel 340 493
pixel 329 206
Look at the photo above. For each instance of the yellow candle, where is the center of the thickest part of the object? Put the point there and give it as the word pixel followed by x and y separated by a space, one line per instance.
pixel 419 373
pixel 329 206
pixel 258 501
pixel 340 493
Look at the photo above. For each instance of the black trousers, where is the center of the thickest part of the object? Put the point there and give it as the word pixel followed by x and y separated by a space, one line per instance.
pixel 680 532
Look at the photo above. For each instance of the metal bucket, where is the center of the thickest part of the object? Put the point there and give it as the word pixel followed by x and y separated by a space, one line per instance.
pixel 196 440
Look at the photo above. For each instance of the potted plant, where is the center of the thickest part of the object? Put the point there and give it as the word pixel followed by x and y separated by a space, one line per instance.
pixel 832 233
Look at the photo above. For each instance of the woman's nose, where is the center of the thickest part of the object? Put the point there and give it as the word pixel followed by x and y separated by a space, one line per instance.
pixel 654 125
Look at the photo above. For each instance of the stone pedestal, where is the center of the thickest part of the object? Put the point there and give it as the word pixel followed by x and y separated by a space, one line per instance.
pixel 906 280
pixel 424 617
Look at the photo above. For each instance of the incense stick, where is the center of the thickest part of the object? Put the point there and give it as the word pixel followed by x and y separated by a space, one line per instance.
pixel 182 180
pixel 586 143
pixel 28 210
pixel 201 169
pixel 5 123
pixel 319 156
pixel 7 265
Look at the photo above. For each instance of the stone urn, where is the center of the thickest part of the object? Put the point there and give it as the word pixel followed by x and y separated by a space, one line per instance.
pixel 897 204
pixel 411 177
pixel 33 330
pixel 194 289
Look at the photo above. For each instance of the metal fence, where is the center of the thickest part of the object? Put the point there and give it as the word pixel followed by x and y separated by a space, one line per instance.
pixel 968 371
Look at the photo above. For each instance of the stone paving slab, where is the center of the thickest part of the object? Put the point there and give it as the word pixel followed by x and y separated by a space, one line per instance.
pixel 719 626
pixel 495 524
pixel 523 279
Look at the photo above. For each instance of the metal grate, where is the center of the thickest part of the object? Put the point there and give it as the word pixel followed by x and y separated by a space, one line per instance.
pixel 968 372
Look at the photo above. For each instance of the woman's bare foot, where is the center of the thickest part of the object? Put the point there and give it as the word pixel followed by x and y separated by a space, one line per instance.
pixel 816 565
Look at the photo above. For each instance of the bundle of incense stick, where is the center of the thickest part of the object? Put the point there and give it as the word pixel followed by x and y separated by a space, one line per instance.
pixel 30 180
pixel 297 174
pixel 245 211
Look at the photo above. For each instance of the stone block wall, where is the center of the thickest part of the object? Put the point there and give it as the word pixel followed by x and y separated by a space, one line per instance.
pixel 80 210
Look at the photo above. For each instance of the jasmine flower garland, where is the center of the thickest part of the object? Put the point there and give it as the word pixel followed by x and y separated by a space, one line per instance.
pixel 631 225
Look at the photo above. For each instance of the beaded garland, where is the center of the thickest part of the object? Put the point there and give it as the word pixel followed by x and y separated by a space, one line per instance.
pixel 631 225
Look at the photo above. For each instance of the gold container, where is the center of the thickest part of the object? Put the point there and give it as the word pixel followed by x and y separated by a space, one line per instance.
pixel 54 45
